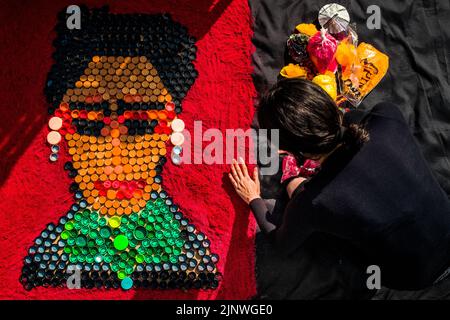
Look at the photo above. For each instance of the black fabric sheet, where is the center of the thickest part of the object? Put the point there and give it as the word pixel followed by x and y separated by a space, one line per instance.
pixel 415 34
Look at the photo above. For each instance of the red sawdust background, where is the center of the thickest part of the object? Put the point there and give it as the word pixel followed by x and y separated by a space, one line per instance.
pixel 34 192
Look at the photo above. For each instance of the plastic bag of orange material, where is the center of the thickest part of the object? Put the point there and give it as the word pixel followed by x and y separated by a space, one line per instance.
pixel 347 57
pixel 373 66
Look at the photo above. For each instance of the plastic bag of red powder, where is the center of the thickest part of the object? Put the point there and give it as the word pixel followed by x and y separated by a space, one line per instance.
pixel 322 49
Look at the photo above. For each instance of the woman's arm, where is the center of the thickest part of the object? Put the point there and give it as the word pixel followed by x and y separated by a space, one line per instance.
pixel 249 190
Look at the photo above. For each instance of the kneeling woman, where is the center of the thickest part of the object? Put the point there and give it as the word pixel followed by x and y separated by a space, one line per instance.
pixel 373 202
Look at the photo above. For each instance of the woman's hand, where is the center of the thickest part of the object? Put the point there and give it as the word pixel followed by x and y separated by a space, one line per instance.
pixel 247 188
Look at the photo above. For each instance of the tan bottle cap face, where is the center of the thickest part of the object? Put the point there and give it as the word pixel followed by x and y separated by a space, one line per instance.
pixel 53 137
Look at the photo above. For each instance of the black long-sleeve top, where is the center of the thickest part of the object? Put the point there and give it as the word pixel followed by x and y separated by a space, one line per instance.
pixel 381 202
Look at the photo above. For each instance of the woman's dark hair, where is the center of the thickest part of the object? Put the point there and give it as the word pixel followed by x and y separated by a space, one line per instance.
pixel 307 118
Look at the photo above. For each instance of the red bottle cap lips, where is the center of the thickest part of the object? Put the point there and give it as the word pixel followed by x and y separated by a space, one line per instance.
pixel 98 185
pixel 163 123
pixel 171 114
pixel 106 120
pixel 88 99
pixel 121 119
pixel 136 115
pixel 144 115
pixel 72 129
pixel 128 114
pixel 120 195
pixel 83 114
pixel 132 185
pixel 107 184
pixel 124 186
pixel 97 98
pixel 58 113
pixel 141 184
pixel 116 184
pixel 170 106
pixel 128 194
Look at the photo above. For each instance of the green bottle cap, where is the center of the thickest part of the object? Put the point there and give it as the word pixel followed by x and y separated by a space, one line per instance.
pixel 133 243
pixel 146 243
pixel 154 243
pixel 93 234
pixel 123 255
pixel 68 225
pixel 140 258
pixel 114 222
pixel 85 230
pixel 93 216
pixel 85 221
pixel 121 242
pixel 134 217
pixel 162 243
pixel 81 241
pixel 93 224
pixel 139 233
pixel 129 270
pixel 121 274
pixel 102 221
pixel 65 235
pixel 77 225
pixel 105 232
